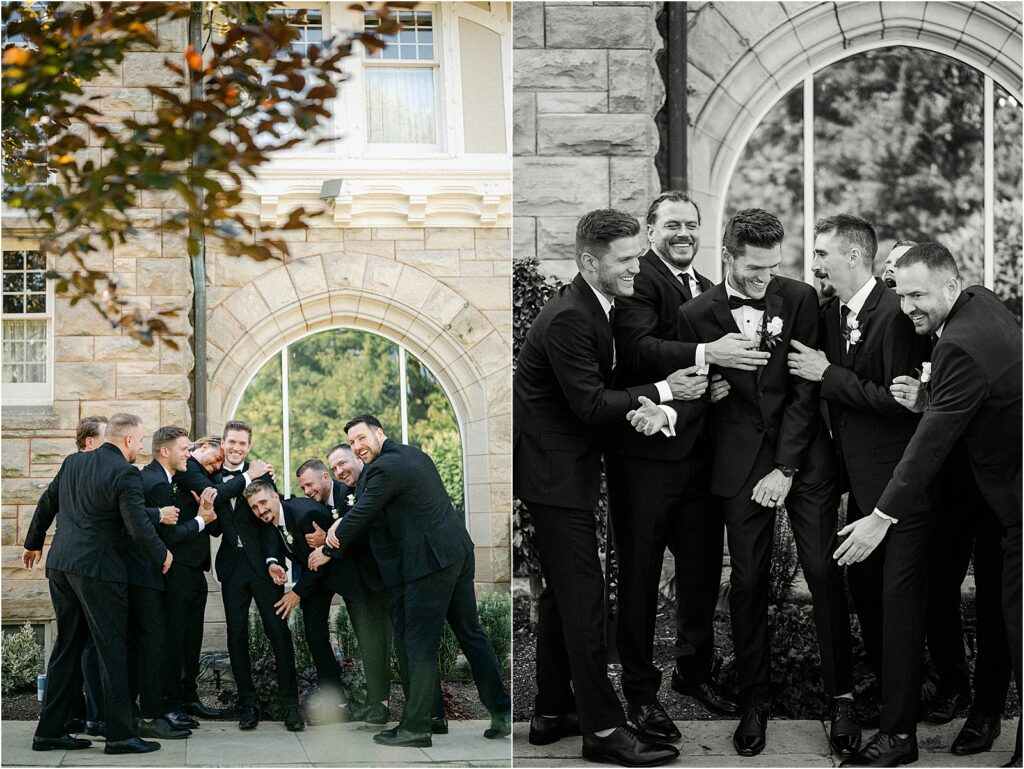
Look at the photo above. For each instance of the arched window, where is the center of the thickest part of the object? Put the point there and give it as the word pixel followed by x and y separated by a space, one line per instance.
pixel 299 401
pixel 918 143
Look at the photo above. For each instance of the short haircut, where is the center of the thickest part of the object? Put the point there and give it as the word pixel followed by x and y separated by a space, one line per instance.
pixel 599 228
pixel 257 486
pixel 340 447
pixel 934 256
pixel 852 229
pixel 317 465
pixel 752 227
pixel 212 440
pixel 902 243
pixel 88 427
pixel 673 196
pixel 166 435
pixel 368 419
pixel 240 426
pixel 121 424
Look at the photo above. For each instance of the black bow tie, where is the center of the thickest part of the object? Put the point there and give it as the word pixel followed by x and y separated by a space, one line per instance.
pixel 736 302
pixel 230 473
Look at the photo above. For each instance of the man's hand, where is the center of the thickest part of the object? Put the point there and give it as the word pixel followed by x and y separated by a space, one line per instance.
pixel 686 384
pixel 277 573
pixel 736 351
pixel 206 510
pixel 648 419
pixel 258 469
pixel 908 393
pixel 865 534
pixel 806 363
pixel 167 562
pixel 719 387
pixel 169 515
pixel 317 537
pixel 317 559
pixel 771 490
pixel 332 534
pixel 30 558
pixel 288 602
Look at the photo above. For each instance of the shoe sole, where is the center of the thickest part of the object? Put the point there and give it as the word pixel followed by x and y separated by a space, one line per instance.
pixel 42 748
pixel 117 752
pixel 600 758
pixel 412 744
pixel 971 751
pixel 247 728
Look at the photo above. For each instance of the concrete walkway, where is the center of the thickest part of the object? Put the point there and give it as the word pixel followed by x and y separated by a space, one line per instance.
pixel 220 743
pixel 790 743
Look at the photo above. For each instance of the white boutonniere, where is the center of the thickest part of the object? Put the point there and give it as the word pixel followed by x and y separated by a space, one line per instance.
pixel 771 331
pixel 351 500
pixel 334 513
pixel 174 488
pixel 288 536
pixel 852 332
pixel 926 372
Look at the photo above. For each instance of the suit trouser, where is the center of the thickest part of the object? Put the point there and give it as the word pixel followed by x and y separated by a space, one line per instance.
pixel 420 610
pixel 88 704
pixel 889 589
pixel 316 610
pixel 813 513
pixel 239 590
pixel 85 606
pixel 653 504
pixel 185 593
pixel 371 621
pixel 145 649
pixel 571 645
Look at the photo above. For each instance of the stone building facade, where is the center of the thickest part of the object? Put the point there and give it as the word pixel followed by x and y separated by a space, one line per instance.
pixel 414 245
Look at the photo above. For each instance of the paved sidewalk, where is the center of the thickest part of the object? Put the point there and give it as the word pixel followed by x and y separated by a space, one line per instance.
pixel 790 743
pixel 220 743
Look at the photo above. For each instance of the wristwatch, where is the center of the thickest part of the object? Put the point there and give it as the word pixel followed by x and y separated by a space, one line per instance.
pixel 786 470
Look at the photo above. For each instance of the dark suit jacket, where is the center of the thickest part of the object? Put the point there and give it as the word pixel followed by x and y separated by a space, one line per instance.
pixel 402 505
pixel 195 478
pixel 869 428
pixel 95 496
pixel 299 515
pixel 562 401
pixel 648 346
pixel 975 394
pixel 235 524
pixel 766 405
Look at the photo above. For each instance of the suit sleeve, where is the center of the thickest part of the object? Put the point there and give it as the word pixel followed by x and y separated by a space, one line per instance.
pixel 270 542
pixel 570 345
pixel 131 504
pixel 797 426
pixel 958 390
pixel 45 512
pixel 160 495
pixel 196 480
pixel 380 489
pixel 636 334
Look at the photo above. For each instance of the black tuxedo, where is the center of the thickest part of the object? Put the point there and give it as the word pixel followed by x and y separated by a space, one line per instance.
pixel 770 418
pixel 95 497
pixel 562 404
pixel 658 492
pixel 975 396
pixel 870 431
pixel 425 556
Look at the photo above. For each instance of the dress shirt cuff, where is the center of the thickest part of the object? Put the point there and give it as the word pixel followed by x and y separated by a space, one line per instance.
pixel 700 360
pixel 273 560
pixel 248 480
pixel 888 518
pixel 664 392
pixel 669 430
pixel 200 522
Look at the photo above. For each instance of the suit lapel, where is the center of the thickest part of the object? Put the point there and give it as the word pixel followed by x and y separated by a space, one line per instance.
pixel 772 309
pixel 721 311
pixel 659 266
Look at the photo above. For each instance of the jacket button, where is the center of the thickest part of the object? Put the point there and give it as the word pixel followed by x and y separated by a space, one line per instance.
pixel 760 394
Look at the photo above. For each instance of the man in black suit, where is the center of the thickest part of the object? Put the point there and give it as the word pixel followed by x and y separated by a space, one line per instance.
pixel 657 485
pixel 973 395
pixel 563 405
pixel 97 496
pixel 242 571
pixel 425 557
pixel 867 342
pixel 355 578
pixel 899 248
pixel 771 448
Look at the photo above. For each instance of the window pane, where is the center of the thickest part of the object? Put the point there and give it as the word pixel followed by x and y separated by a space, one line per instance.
pixel 35 303
pixel 1008 195
pixel 14 303
pixel 400 105
pixel 34 281
pixel 35 374
pixel 34 260
pixel 35 352
pixel 14 281
pixel 14 260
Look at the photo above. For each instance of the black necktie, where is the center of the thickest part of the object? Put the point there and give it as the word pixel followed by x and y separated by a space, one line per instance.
pixel 687 291
pixel 284 537
pixel 844 313
pixel 611 322
pixel 736 302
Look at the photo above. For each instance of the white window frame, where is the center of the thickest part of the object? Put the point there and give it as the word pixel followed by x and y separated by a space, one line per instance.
pixel 33 393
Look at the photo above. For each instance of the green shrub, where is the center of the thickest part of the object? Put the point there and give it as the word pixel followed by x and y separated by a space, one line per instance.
pixel 21 658
pixel 303 656
pixel 345 641
pixel 447 654
pixel 785 565
pixel 495 611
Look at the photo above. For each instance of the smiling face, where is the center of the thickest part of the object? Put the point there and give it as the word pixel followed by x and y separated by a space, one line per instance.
pixel 612 273
pixel 133 442
pixel 751 272
pixel 835 266
pixel 926 296
pixel 176 454
pixel 236 447
pixel 675 234
pixel 365 441
pixel 345 466
pixel 265 505
pixel 316 485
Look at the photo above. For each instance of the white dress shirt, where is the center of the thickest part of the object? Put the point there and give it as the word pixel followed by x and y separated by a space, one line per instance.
pixel 856 303
pixel 748 320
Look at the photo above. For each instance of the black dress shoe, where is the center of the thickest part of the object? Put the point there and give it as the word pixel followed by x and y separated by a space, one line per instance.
pixel 844 731
pixel 547 729
pixel 403 738
pixel 96 728
pixel 977 734
pixel 749 737
pixel 160 729
pixel 181 720
pixel 200 710
pixel 945 707
pixel 439 725
pixel 131 745
pixel 707 694
pixel 65 742
pixel 653 723
pixel 250 717
pixel 293 720
pixel 375 713
pixel 626 748
pixel 885 750
pixel 501 726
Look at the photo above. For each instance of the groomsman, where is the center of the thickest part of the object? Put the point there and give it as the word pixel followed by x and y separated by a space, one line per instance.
pixel 96 495
pixel 563 403
pixel 355 578
pixel 657 485
pixel 974 394
pixel 899 248
pixel 771 448
pixel 867 342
